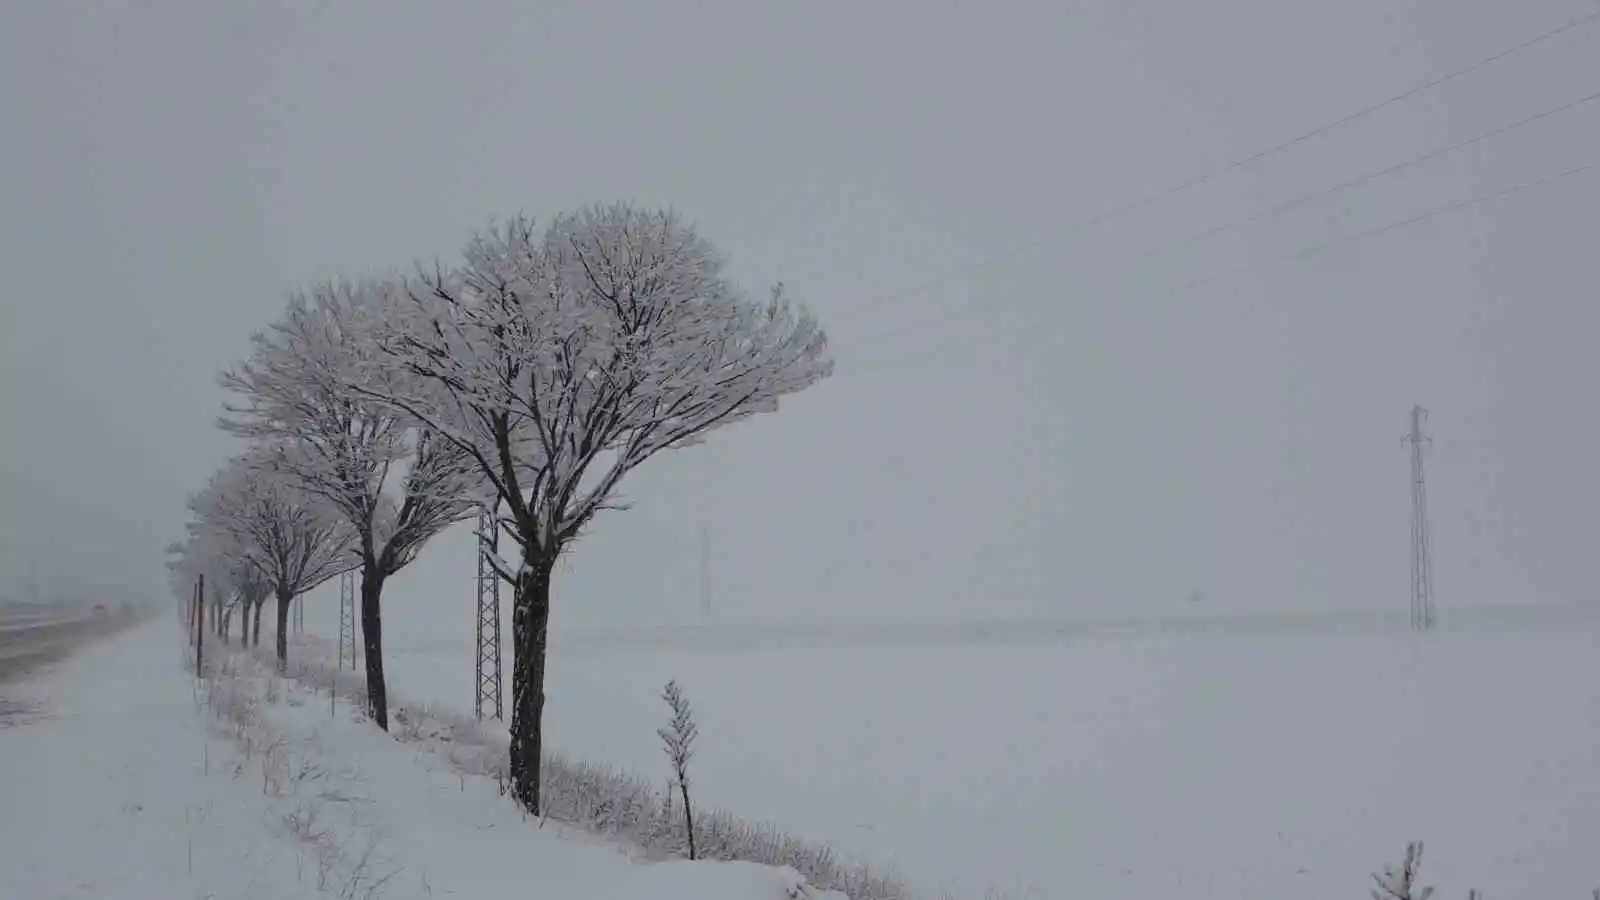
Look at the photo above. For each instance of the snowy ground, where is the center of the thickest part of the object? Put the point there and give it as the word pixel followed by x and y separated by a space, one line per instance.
pixel 1201 766
pixel 142 783
pixel 1176 767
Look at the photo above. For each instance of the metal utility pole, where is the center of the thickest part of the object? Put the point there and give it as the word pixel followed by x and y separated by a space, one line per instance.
pixel 487 657
pixel 347 619
pixel 200 626
pixel 1421 543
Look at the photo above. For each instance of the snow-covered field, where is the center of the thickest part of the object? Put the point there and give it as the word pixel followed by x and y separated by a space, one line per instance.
pixel 1170 766
pixel 141 783
pixel 1135 766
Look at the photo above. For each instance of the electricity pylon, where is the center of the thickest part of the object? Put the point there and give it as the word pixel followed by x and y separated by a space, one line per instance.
pixel 1421 542
pixel 347 619
pixel 487 658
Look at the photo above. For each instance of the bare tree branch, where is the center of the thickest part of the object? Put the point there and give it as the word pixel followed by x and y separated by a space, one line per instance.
pixel 599 343
pixel 558 361
pixel 291 539
pixel 394 480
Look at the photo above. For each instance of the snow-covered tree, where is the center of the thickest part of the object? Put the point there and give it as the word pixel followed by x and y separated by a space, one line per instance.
pixel 396 483
pixel 240 590
pixel 253 591
pixel 185 561
pixel 202 557
pixel 293 539
pixel 221 599
pixel 232 592
pixel 559 361
pixel 203 551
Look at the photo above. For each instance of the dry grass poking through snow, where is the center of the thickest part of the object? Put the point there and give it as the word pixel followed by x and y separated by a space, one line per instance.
pixel 599 799
pixel 339 856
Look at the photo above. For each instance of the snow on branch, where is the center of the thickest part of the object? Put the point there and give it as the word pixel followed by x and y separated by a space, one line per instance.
pixel 1401 882
pixel 293 539
pixel 396 482
pixel 213 552
pixel 559 360
pixel 677 740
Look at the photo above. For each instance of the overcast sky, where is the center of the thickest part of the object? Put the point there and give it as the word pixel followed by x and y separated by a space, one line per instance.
pixel 1026 419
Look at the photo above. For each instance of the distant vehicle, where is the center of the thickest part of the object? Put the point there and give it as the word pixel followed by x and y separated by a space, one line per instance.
pixel 99 611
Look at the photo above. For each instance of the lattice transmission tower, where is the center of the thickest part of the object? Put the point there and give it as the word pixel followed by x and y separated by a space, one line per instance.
pixel 1421 542
pixel 347 619
pixel 487 658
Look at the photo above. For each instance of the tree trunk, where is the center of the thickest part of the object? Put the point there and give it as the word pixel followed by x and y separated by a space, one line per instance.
pixel 244 624
pixel 261 603
pixel 372 641
pixel 530 622
pixel 225 625
pixel 688 817
pixel 284 601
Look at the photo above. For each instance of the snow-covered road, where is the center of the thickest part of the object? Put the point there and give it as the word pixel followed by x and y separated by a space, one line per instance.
pixel 29 642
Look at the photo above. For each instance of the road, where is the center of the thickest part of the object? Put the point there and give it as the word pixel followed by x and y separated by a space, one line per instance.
pixel 31 641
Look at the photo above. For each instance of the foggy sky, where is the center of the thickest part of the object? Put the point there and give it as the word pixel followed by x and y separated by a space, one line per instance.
pixel 1041 428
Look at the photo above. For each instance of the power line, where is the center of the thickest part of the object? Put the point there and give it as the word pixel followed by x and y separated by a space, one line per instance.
pixel 1323 246
pixel 1426 215
pixel 1277 209
pixel 1151 199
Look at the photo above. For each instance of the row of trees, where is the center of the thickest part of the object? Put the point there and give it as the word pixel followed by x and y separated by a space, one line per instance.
pixel 528 378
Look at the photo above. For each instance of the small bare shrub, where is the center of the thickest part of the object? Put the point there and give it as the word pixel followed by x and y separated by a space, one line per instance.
pixel 677 739
pixel 597 798
pixel 303 823
pixel 310 767
pixel 362 881
pixel 1400 882
pixel 274 767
